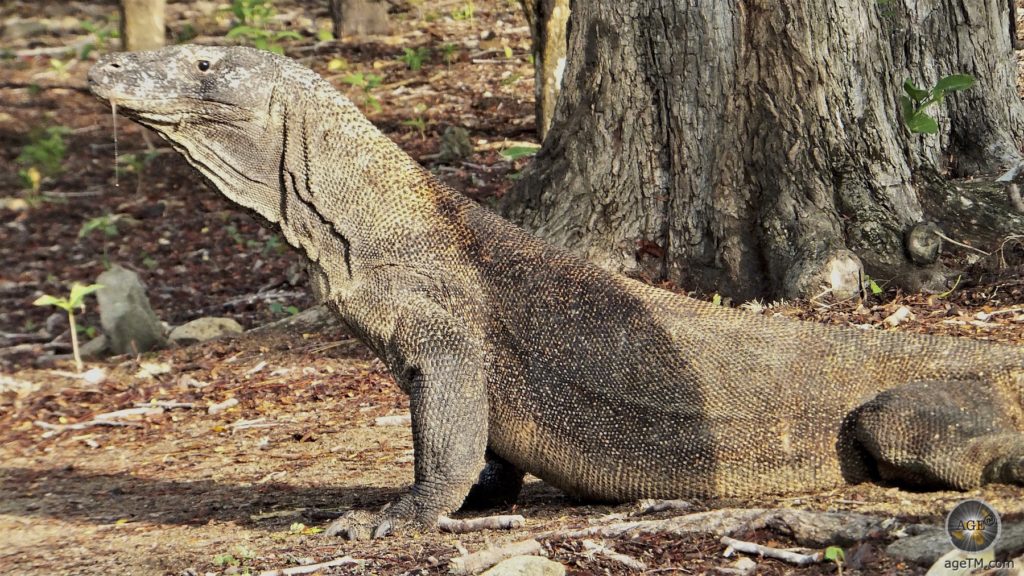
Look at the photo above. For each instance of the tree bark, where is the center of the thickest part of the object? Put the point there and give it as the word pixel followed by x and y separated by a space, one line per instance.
pixel 142 24
pixel 548 21
pixel 359 17
pixel 756 148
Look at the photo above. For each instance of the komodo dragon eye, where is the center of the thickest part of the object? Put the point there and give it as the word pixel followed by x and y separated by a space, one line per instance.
pixel 203 65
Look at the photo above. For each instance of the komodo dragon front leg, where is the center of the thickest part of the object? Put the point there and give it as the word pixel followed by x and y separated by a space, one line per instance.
pixel 440 365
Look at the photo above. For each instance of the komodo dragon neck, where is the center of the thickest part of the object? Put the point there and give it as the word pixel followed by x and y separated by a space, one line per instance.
pixel 345 185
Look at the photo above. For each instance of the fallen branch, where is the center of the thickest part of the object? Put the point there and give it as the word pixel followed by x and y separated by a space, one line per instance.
pixel 166 404
pixel 394 420
pixel 593 548
pixel 654 506
pixel 309 568
pixel 808 528
pixel 503 522
pixel 128 412
pixel 791 556
pixel 484 559
pixel 54 429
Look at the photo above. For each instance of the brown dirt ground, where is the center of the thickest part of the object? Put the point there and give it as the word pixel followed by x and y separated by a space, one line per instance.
pixel 173 492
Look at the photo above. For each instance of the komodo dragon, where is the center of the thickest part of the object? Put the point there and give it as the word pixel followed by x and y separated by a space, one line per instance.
pixel 521 357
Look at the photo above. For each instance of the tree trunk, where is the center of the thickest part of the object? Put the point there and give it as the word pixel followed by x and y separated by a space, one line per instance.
pixel 753 148
pixel 142 24
pixel 548 21
pixel 359 17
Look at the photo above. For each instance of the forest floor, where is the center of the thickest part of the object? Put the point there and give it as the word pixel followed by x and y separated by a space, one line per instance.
pixel 185 491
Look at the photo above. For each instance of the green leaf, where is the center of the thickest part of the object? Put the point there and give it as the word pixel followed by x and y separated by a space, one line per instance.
pixel 80 291
pixel 325 35
pixel 835 554
pixel 244 31
pixel 955 82
pixel 906 108
pixel 516 152
pixel 921 123
pixel 47 300
pixel 913 91
pixel 874 287
pixel 287 34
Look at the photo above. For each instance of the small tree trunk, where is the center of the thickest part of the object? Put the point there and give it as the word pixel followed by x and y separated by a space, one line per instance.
pixel 548 21
pixel 142 24
pixel 754 148
pixel 359 17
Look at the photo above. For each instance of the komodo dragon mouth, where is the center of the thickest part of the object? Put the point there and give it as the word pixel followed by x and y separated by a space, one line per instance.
pixel 519 356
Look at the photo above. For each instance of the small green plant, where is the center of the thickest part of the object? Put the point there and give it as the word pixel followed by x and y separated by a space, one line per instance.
pixel 280 309
pixel 466 12
pixel 45 150
pixel 413 58
pixel 136 164
pixel 234 234
pixel 917 99
pixel 62 67
pixel 241 555
pixel 418 123
pixel 106 223
pixel 449 52
pixel 272 244
pixel 76 299
pixel 367 83
pixel 513 153
pixel 253 17
pixel 102 32
pixel 836 554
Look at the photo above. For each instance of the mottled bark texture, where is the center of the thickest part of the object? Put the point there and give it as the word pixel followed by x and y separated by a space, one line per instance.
pixel 359 17
pixel 142 24
pixel 752 148
pixel 548 21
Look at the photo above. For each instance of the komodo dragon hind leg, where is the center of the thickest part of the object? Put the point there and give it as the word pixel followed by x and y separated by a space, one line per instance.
pixel 499 485
pixel 942 434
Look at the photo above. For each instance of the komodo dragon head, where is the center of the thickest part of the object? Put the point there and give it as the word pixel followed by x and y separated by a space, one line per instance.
pixel 226 109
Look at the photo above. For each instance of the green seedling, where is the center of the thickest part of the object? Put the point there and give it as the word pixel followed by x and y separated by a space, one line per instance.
pixel 253 17
pixel 102 33
pixel 449 52
pixel 45 151
pixel 836 554
pixel 76 299
pixel 916 100
pixel 466 12
pixel 106 224
pixel 413 58
pixel 367 83
pixel 136 163
pixel 513 153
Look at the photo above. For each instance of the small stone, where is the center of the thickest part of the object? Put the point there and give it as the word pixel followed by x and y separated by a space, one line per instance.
pixel 95 348
pixel 128 320
pixel 455 144
pixel 526 566
pixel 203 329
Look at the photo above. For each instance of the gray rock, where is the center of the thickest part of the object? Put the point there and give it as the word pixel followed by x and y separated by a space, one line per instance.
pixel 95 348
pixel 18 29
pixel 930 545
pixel 455 144
pixel 203 329
pixel 128 321
pixel 526 566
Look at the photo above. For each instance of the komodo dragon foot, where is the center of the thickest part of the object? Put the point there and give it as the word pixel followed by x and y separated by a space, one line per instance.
pixel 941 434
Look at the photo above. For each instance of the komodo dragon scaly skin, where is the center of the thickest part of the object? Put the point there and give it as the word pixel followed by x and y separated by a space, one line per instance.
pixel 521 354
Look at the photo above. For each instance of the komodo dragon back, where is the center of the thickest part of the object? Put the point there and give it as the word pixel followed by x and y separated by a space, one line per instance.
pixel 521 357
